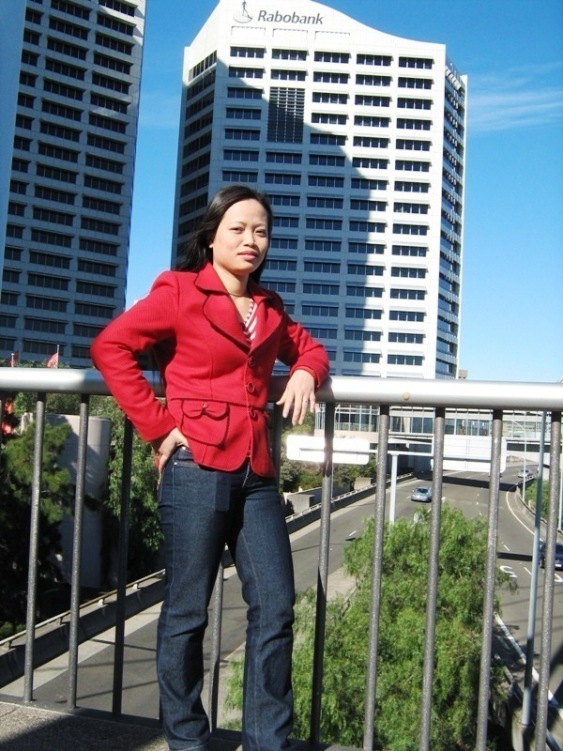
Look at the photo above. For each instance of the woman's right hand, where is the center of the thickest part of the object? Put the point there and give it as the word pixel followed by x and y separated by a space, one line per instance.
pixel 164 447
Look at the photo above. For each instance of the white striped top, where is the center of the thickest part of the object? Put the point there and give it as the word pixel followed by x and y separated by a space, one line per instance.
pixel 249 323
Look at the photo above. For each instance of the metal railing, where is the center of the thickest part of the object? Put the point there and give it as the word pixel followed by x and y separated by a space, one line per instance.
pixel 496 397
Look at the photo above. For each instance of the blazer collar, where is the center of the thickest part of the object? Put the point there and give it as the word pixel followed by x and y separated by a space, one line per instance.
pixel 218 308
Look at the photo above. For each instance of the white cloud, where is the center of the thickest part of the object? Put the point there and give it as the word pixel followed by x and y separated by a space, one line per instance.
pixel 520 97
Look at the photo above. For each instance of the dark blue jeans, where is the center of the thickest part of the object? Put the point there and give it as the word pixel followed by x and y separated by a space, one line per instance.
pixel 201 510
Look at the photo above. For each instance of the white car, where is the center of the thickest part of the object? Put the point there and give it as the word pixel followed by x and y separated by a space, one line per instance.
pixel 422 494
pixel 525 474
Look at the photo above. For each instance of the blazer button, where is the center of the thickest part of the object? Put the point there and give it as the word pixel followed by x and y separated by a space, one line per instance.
pixel 251 362
pixel 250 388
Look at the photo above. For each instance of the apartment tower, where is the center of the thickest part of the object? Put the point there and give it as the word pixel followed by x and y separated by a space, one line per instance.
pixel 69 92
pixel 358 138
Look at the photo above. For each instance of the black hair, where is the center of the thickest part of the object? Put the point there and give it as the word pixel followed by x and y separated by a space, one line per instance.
pixel 196 251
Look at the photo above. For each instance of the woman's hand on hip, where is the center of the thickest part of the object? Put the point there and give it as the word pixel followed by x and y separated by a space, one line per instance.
pixel 164 447
pixel 299 395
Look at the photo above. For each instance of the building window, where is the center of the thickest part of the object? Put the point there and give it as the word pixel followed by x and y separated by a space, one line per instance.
pixel 356 290
pixel 330 97
pixel 408 165
pixel 326 77
pixel 405 359
pixel 363 226
pixel 416 62
pixel 363 204
pixel 366 248
pixel 316 288
pixel 415 83
pixel 236 92
pixel 326 160
pixel 412 316
pixel 239 134
pixel 414 104
pixel 368 100
pixel 404 123
pixel 408 250
pixel 322 267
pixel 408 273
pixel 367 314
pixel 360 335
pixel 238 155
pixel 321 311
pixel 402 186
pixel 257 52
pixel 362 269
pixel 289 54
pixel 409 229
pixel 369 162
pixel 407 294
pixel 52 304
pixel 48 282
pixel 283 243
pixel 361 357
pixel 283 200
pixel 371 142
pixel 283 157
pixel 371 80
pixel 326 181
pixel 326 118
pixel 323 246
pixel 285 115
pixel 401 337
pixel 324 202
pixel 288 75
pixel 281 264
pixel 410 145
pixel 384 60
pixel 245 72
pixel 324 224
pixel 411 208
pixel 330 139
pixel 281 287
pixel 332 57
pixel 239 176
pixel 272 178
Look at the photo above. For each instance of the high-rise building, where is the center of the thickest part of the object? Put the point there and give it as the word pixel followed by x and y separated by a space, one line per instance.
pixel 69 92
pixel 358 137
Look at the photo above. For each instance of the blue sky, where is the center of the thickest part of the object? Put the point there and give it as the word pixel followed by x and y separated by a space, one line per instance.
pixel 512 52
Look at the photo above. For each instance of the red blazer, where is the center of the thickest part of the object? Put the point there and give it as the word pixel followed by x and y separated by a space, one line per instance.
pixel 216 383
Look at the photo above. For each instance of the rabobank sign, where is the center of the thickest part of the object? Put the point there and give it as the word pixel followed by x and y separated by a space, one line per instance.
pixel 245 15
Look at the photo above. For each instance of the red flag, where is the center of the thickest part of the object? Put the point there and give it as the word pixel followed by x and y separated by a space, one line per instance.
pixel 53 361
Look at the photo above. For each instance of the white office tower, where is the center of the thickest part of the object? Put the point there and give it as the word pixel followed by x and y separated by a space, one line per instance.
pixel 358 137
pixel 69 91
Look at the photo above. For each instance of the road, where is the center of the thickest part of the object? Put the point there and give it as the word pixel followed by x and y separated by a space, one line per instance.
pixel 466 491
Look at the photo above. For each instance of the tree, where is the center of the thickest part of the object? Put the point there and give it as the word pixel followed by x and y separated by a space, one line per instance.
pixel 16 461
pixel 401 639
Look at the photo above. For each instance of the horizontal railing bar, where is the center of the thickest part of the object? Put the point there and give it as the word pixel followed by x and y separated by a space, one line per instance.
pixel 451 393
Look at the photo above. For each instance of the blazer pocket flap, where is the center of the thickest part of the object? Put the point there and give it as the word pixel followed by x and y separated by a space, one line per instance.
pixel 206 422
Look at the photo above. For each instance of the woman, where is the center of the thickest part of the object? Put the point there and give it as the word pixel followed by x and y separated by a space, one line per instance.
pixel 216 335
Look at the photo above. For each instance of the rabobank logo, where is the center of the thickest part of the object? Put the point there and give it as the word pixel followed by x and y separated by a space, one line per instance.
pixel 243 16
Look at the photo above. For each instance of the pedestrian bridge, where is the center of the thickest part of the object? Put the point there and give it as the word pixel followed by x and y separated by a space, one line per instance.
pixel 26 726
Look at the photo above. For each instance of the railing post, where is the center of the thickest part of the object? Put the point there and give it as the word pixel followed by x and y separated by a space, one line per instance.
pixel 77 551
pixel 433 567
pixel 549 580
pixel 322 578
pixel 123 551
pixel 34 546
pixel 377 572
pixel 490 580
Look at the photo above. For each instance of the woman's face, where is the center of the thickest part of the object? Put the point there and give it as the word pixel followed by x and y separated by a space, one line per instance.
pixel 241 240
